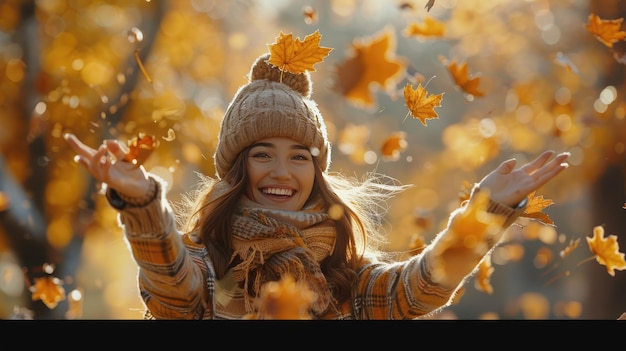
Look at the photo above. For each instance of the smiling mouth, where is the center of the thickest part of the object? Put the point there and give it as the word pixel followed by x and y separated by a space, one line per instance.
pixel 277 192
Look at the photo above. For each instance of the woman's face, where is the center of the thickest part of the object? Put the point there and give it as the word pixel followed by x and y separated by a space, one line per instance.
pixel 281 173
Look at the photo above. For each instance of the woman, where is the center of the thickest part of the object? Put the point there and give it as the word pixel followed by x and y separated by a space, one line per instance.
pixel 274 210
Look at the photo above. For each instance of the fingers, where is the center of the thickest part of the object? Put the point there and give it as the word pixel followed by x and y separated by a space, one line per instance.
pixel 538 162
pixel 507 166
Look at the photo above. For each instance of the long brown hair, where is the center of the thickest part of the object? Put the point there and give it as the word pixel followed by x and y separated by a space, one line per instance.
pixel 210 214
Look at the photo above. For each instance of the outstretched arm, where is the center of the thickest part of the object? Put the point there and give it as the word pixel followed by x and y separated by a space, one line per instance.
pixel 106 164
pixel 509 186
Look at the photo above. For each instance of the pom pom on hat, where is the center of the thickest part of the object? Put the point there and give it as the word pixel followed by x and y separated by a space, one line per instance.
pixel 267 107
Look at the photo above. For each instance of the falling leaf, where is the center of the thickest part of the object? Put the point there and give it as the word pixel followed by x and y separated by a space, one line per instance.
pixel 49 290
pixel 285 299
pixel 483 276
pixel 606 31
pixel 140 148
pixel 310 15
pixel 421 105
pixel 606 250
pixel 394 145
pixel 459 72
pixel 429 5
pixel 564 61
pixel 429 28
pixel 372 64
pixel 535 205
pixel 573 244
pixel 295 55
pixel 171 135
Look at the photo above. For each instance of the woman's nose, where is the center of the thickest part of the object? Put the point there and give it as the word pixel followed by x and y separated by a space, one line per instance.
pixel 281 170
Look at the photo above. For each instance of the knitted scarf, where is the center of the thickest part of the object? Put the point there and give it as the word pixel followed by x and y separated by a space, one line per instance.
pixel 270 243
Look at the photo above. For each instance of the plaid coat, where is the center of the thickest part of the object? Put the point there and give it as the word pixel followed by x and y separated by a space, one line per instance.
pixel 176 279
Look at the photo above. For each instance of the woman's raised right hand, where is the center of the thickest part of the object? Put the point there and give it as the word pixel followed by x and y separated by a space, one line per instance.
pixel 107 165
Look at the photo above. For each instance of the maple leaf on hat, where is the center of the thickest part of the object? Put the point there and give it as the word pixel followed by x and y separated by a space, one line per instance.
pixel 606 250
pixel 606 31
pixel 421 105
pixel 371 64
pixel 295 55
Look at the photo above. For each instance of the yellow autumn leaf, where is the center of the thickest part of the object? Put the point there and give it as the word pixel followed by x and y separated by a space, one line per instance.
pixel 421 105
pixel 295 55
pixel 49 290
pixel 483 276
pixel 606 250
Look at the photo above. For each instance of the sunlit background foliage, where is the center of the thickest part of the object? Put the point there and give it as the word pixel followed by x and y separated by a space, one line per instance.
pixel 113 69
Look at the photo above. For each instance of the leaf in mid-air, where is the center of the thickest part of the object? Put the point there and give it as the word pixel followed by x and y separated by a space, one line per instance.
pixel 140 148
pixel 535 205
pixel 49 290
pixel 394 145
pixel 420 103
pixel 429 28
pixel 372 63
pixel 295 55
pixel 606 250
pixel 460 75
pixel 606 31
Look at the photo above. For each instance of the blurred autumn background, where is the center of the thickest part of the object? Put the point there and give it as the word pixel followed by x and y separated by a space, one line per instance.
pixel 114 69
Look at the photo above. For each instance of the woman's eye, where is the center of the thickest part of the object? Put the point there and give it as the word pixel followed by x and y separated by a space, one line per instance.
pixel 301 157
pixel 261 155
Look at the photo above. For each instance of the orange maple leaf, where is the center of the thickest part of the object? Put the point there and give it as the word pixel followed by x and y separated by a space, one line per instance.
pixel 297 56
pixel 49 290
pixel 371 64
pixel 429 28
pixel 606 31
pixel 140 148
pixel 483 276
pixel 393 146
pixel 606 250
pixel 420 104
pixel 285 299
pixel 460 75
pixel 535 205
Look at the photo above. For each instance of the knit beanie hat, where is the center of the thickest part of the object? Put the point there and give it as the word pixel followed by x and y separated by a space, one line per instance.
pixel 270 107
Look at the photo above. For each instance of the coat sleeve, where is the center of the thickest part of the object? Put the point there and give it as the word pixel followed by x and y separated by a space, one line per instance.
pixel 427 282
pixel 171 279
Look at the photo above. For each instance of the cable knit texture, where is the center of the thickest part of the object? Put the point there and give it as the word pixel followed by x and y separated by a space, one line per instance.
pixel 274 103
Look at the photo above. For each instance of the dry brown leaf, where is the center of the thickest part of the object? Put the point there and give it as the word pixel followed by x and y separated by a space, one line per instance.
pixel 606 31
pixel 606 250
pixel 421 105
pixel 295 55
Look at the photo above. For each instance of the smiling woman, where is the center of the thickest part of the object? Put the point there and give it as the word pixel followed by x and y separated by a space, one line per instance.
pixel 275 212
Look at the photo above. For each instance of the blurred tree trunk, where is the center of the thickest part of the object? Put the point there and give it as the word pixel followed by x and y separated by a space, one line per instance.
pixel 25 221
pixel 606 294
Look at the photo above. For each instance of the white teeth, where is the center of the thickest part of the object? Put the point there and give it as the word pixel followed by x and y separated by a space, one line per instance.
pixel 277 191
